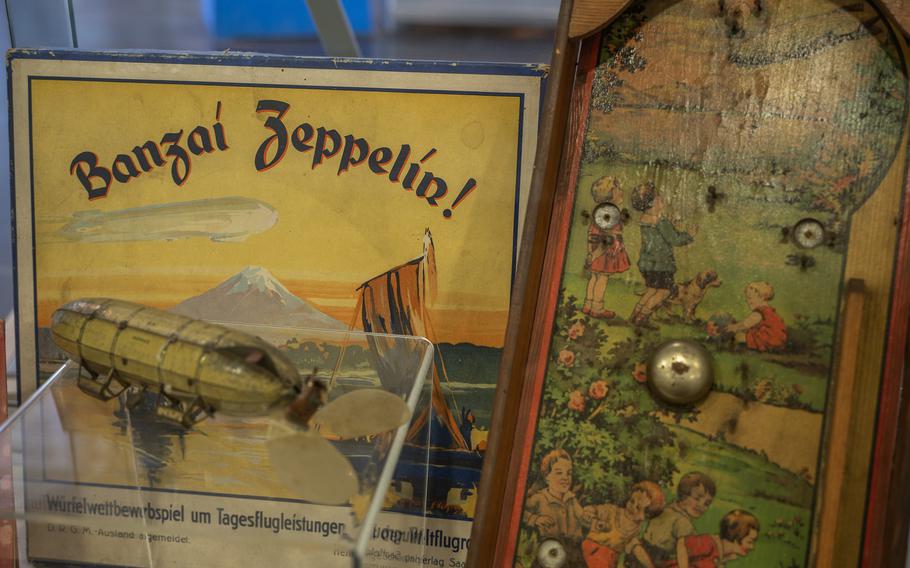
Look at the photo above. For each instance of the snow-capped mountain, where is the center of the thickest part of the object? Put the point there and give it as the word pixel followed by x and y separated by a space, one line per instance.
pixel 254 296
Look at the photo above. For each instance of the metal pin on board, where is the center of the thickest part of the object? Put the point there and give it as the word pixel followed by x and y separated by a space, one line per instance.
pixel 680 372
pixel 607 216
pixel 809 233
pixel 551 554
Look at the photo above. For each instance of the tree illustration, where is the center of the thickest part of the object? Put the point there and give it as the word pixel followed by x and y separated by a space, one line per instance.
pixel 619 54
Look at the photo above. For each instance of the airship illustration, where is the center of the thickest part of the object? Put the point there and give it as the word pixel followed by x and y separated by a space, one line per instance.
pixel 223 219
pixel 197 369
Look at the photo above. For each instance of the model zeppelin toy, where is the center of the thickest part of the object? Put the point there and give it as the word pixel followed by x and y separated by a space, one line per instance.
pixel 196 369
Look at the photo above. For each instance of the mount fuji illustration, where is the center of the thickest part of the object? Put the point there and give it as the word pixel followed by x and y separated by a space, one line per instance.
pixel 254 296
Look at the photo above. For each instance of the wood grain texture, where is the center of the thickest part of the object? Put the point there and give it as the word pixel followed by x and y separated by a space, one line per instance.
pixel 589 16
pixel 493 484
pixel 536 339
pixel 895 520
pixel 887 521
pixel 899 10
pixel 873 248
pixel 841 416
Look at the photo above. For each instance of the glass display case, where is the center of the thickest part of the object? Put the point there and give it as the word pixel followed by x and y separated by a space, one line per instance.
pixel 114 483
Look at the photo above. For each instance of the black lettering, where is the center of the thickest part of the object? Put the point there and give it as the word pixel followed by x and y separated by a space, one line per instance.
pixel 379 158
pixel 426 182
pixel 403 156
pixel 153 152
pixel 279 136
pixel 179 155
pixel 125 161
pixel 408 182
pixel 347 155
pixel 220 139
pixel 301 135
pixel 85 167
pixel 321 152
pixel 199 141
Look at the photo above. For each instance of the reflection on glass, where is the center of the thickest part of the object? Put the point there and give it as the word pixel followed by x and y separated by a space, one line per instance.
pixel 112 482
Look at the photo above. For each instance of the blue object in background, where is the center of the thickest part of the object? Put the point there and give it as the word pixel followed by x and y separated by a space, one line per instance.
pixel 277 18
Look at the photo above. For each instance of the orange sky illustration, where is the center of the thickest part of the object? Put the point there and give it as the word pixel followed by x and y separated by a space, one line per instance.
pixel 338 300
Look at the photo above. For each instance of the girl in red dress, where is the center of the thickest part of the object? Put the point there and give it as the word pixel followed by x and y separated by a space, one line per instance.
pixel 738 533
pixel 606 251
pixel 763 329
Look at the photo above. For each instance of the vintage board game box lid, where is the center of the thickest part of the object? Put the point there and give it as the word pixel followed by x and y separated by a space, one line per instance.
pixel 381 195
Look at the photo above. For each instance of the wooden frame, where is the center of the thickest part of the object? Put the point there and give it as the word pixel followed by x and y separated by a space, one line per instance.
pixel 885 510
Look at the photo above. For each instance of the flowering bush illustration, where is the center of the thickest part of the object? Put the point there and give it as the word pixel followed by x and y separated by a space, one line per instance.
pixel 601 415
pixel 566 358
pixel 598 390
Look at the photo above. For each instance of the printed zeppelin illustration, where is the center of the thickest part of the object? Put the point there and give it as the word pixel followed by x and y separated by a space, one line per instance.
pixel 724 150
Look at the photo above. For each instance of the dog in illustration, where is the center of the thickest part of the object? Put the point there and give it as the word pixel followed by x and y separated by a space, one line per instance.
pixel 688 295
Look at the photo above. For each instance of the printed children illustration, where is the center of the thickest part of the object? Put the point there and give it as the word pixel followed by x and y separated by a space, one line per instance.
pixel 618 535
pixel 606 251
pixel 694 494
pixel 554 511
pixel 615 530
pixel 656 260
pixel 763 329
pixel 738 533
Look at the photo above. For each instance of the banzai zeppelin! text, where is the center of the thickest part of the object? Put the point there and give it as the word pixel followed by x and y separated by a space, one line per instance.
pixel 400 166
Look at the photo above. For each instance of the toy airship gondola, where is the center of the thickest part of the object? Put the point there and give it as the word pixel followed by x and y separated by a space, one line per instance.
pixel 196 369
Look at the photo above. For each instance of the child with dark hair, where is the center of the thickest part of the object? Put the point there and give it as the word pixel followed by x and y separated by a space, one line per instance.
pixel 694 494
pixel 656 261
pixel 614 530
pixel 738 533
pixel 554 511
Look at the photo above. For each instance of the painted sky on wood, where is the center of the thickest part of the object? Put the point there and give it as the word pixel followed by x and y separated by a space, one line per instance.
pixel 681 85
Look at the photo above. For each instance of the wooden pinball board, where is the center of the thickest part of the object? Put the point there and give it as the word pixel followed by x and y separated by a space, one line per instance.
pixel 754 153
